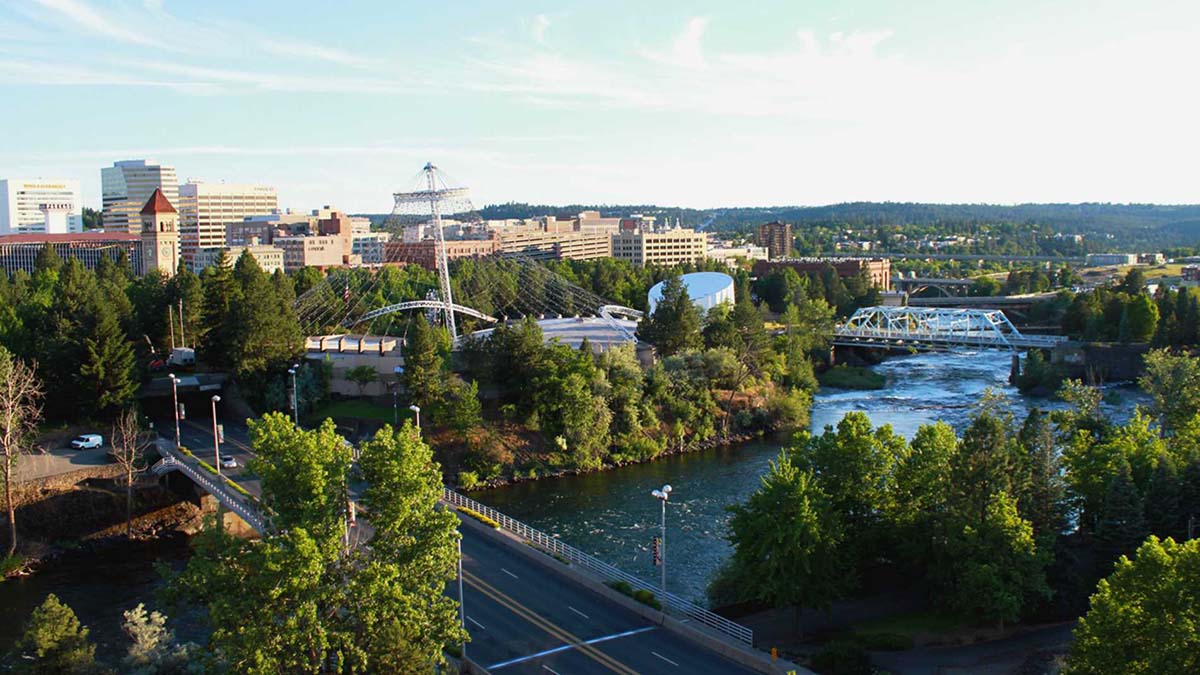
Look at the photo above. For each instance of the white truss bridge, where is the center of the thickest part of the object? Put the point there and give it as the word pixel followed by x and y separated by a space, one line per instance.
pixel 931 328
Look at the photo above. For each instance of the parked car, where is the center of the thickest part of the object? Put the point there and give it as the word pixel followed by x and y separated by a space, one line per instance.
pixel 229 462
pixel 87 441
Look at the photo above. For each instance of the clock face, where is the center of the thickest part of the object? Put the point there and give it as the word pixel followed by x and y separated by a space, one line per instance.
pixel 166 251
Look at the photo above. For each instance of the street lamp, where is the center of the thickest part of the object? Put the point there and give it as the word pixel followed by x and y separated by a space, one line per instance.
pixel 175 398
pixel 395 408
pixel 216 442
pixel 663 495
pixel 295 402
pixel 462 609
pixel 416 411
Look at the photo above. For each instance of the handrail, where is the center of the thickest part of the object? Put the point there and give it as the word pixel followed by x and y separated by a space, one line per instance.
pixel 551 544
pixel 220 492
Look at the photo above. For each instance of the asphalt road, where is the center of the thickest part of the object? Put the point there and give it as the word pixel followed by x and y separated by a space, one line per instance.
pixel 524 618
pixel 197 436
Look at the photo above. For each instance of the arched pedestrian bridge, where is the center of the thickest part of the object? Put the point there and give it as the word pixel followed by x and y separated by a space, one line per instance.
pixel 936 328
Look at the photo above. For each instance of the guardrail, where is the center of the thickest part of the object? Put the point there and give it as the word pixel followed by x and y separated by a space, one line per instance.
pixel 673 603
pixel 171 462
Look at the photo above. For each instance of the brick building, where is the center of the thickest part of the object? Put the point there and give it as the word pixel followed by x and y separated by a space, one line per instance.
pixel 878 270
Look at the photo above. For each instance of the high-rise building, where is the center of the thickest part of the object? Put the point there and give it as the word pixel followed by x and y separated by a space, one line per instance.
pixel 777 237
pixel 127 185
pixel 45 206
pixel 20 251
pixel 160 235
pixel 206 210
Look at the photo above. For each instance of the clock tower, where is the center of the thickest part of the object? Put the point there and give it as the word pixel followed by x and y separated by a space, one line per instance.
pixel 160 235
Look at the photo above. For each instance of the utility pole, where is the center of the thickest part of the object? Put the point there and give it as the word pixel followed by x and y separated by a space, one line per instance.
pixel 295 400
pixel 216 438
pixel 462 609
pixel 663 495
pixel 175 398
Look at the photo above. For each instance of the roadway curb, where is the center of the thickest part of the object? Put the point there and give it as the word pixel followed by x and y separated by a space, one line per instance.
pixel 735 652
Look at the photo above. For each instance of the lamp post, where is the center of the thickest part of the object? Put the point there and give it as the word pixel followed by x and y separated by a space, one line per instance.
pixel 395 408
pixel 663 495
pixel 216 440
pixel 417 411
pixel 462 609
pixel 175 398
pixel 295 395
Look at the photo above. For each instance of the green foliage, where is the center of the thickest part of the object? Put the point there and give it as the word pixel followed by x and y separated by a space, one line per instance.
pixel 647 598
pixel 1139 319
pixel 265 334
pixel 423 378
pixel 1122 525
pixel 1038 375
pixel 490 522
pixel 842 658
pixel 851 377
pixel 106 375
pixel 1143 617
pixel 468 480
pixel 1173 382
pixel 55 641
pixel 674 326
pixel 464 411
pixel 362 376
pixel 152 649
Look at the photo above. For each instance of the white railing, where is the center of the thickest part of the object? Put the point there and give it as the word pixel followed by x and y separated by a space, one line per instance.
pixel 222 493
pixel 551 544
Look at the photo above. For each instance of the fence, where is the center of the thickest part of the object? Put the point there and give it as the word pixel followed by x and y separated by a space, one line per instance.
pixel 671 602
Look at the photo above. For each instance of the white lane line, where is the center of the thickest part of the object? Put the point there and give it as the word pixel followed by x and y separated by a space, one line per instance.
pixel 577 611
pixel 546 667
pixel 665 659
pixel 509 573
pixel 563 648
pixel 481 627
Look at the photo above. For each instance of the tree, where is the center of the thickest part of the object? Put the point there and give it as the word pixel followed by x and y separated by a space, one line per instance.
pixel 1164 516
pixel 106 376
pixel 995 565
pixel 56 641
pixel 1044 499
pixel 152 649
pixel 1143 617
pixel 362 376
pixel 465 412
pixel 20 412
pixel 1139 320
pixel 219 290
pixel 423 377
pixel 986 463
pixel 1173 382
pixel 674 326
pixel 1122 526
pixel 129 452
pixel 264 330
pixel 786 540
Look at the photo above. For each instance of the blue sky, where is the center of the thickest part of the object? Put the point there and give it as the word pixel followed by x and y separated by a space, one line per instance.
pixel 690 103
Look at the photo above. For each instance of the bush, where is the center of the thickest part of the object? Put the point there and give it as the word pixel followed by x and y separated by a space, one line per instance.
pixel 206 466
pixel 842 658
pixel 621 587
pixel 10 564
pixel 851 377
pixel 882 641
pixel 479 516
pixel 468 480
pixel 647 598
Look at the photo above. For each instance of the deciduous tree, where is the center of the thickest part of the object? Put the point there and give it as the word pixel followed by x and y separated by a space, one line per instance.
pixel 55 641
pixel 20 412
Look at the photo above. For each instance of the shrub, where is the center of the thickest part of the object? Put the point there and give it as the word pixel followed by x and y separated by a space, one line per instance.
pixel 206 466
pixel 621 587
pixel 842 658
pixel 479 516
pixel 468 480
pixel 10 564
pixel 647 598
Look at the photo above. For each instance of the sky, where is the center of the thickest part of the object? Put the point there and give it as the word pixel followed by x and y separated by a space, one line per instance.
pixel 688 103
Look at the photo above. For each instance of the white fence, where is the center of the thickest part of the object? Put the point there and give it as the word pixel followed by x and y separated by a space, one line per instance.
pixel 673 603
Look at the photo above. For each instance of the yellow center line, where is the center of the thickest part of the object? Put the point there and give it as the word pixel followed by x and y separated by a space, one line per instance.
pixel 543 623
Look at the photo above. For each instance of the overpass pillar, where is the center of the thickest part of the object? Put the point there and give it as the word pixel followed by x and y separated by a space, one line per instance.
pixel 1015 371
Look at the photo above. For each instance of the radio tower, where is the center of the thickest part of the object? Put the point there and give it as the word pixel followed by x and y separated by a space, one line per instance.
pixel 429 205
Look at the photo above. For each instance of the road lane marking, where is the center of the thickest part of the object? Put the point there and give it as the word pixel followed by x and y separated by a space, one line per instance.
pixel 563 648
pixel 554 630
pixel 546 667
pixel 472 620
pixel 577 611
pixel 509 573
pixel 665 659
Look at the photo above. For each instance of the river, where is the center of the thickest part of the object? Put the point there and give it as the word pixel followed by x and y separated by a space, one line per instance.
pixel 613 515
pixel 610 514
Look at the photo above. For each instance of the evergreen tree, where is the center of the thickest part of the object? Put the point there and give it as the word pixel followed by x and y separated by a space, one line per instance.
pixel 1044 499
pixel 986 463
pixel 1162 502
pixel 185 292
pixel 55 641
pixel 216 346
pixel 1122 525
pixel 423 377
pixel 265 332
pixel 47 260
pixel 1189 497
pixel 1139 319
pixel 674 326
pixel 465 412
pixel 106 377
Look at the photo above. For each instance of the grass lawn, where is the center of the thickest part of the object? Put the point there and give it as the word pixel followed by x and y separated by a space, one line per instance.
pixel 851 377
pixel 360 409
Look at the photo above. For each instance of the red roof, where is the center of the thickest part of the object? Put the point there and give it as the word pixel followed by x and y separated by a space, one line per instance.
pixel 158 203
pixel 38 238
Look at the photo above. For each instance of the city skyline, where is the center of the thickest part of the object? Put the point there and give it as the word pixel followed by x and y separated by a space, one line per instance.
pixel 682 104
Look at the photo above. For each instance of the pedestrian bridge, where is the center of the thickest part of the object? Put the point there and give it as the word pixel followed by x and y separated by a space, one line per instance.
pixel 928 328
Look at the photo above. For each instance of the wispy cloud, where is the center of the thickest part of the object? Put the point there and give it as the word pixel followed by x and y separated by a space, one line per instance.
pixel 541 23
pixel 317 52
pixel 93 21
pixel 686 51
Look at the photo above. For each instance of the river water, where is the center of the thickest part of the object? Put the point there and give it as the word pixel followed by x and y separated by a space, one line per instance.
pixel 609 514
pixel 612 514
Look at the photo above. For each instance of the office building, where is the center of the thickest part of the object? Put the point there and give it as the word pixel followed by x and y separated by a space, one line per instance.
pixel 160 235
pixel 777 237
pixel 877 270
pixel 670 247
pixel 20 251
pixel 424 253
pixel 47 206
pixel 1104 259
pixel 322 252
pixel 127 185
pixel 731 254
pixel 536 244
pixel 268 257
pixel 208 209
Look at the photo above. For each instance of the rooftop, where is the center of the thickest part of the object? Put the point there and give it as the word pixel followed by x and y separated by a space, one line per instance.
pixel 158 203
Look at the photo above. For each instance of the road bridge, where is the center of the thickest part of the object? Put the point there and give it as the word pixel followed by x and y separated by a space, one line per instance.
pixel 947 287
pixel 928 328
pixel 1055 259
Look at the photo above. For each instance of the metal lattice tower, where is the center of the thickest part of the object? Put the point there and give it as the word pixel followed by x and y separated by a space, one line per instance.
pixel 435 200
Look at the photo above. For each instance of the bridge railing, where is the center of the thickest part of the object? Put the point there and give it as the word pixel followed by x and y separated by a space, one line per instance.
pixel 551 544
pixel 170 461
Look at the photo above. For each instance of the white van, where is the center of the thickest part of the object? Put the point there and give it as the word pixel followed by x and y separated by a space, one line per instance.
pixel 87 441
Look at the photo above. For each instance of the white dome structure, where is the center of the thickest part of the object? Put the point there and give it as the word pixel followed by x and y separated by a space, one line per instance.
pixel 706 289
